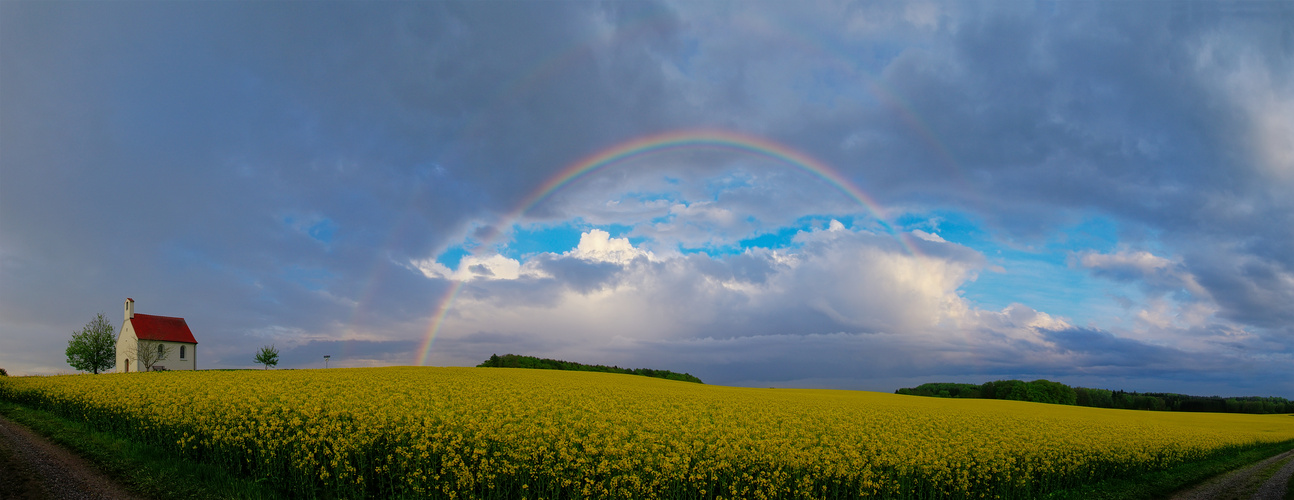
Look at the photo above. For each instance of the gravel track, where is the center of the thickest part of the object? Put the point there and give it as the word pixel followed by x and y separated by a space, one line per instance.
pixel 33 467
pixel 1245 483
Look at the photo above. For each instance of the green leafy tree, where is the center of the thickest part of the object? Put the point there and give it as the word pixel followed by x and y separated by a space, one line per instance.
pixel 269 356
pixel 93 349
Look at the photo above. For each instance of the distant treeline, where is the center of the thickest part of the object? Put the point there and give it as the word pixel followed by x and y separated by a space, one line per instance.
pixel 1045 391
pixel 517 361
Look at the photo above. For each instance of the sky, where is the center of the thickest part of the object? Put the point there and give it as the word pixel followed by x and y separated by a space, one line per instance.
pixel 824 194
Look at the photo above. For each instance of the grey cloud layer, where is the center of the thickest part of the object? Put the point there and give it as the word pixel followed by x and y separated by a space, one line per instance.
pixel 181 154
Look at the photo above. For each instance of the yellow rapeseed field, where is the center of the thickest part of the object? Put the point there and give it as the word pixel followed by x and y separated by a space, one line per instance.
pixel 513 433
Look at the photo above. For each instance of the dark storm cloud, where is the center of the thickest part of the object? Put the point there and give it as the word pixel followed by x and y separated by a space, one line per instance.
pixel 1156 275
pixel 1128 111
pixel 1101 349
pixel 747 267
pixel 155 151
pixel 268 170
pixel 1079 356
pixel 1251 289
pixel 1103 354
pixel 581 275
pixel 1025 103
pixel 480 270
pixel 166 151
pixel 354 119
pixel 527 291
pixel 1048 113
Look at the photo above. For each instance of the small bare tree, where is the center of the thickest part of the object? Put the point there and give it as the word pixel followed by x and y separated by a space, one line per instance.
pixel 150 352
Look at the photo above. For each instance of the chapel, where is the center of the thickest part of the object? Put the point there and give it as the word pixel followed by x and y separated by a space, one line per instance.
pixel 147 342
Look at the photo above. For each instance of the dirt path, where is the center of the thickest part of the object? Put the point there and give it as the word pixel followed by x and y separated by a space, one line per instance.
pixel 1247 483
pixel 32 467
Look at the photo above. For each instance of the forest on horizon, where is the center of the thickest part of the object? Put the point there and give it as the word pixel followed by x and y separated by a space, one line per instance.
pixel 1046 391
pixel 518 361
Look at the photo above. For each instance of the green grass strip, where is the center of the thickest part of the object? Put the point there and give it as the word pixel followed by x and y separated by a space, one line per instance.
pixel 1162 484
pixel 144 470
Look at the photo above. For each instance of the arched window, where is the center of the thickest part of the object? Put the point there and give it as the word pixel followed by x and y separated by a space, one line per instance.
pixel 159 349
pixel 182 351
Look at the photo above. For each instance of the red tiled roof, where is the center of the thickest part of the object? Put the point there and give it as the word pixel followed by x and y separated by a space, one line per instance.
pixel 149 327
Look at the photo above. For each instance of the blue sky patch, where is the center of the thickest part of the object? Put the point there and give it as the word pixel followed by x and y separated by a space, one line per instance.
pixel 1039 275
pixel 781 238
pixel 452 256
pixel 539 239
pixel 322 231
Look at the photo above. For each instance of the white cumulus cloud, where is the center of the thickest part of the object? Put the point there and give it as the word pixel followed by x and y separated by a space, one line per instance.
pixel 472 267
pixel 598 246
pixel 1158 274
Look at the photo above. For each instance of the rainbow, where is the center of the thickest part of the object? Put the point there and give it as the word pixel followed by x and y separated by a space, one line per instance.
pixel 695 139
pixel 437 319
pixel 661 143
